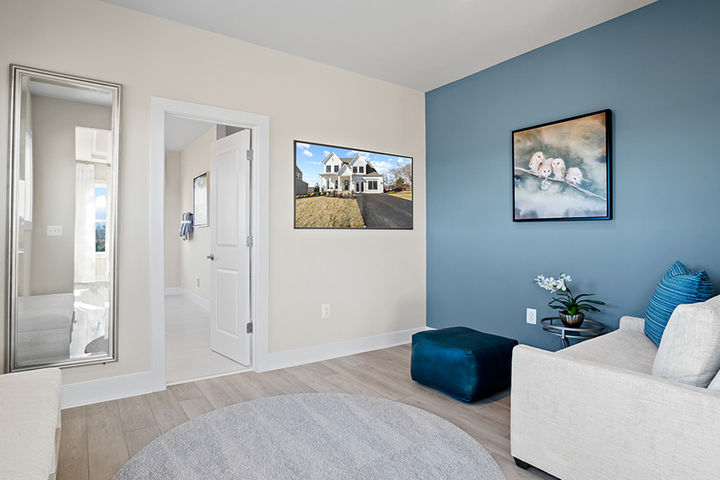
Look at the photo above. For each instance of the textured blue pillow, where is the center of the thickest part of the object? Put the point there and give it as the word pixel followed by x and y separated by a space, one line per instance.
pixel 679 285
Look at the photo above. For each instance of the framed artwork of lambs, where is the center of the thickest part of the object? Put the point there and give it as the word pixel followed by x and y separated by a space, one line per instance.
pixel 561 169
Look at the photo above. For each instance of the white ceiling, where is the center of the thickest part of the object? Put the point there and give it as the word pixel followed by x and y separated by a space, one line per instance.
pixel 422 44
pixel 181 132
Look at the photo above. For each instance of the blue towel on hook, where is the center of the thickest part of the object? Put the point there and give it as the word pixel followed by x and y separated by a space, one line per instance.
pixel 186 225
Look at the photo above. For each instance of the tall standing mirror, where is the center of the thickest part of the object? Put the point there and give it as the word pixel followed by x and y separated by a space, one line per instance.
pixel 62 220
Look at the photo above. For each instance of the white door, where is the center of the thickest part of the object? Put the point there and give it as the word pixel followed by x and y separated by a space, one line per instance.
pixel 229 185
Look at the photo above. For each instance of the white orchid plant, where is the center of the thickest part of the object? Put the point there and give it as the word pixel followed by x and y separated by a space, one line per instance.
pixel 565 301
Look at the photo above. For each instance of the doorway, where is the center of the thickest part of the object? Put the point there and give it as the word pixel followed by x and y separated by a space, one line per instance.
pixel 207 258
pixel 210 303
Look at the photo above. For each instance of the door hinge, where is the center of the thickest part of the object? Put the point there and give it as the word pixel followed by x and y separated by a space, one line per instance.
pixel 249 155
pixel 249 327
pixel 249 241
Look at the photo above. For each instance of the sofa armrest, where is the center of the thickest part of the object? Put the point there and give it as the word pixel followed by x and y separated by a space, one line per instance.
pixel 632 323
pixel 585 420
pixel 29 420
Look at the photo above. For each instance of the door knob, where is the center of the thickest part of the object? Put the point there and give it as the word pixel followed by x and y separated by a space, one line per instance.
pixel 210 257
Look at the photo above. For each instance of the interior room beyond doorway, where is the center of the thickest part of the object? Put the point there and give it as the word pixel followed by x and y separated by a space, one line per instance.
pixel 189 290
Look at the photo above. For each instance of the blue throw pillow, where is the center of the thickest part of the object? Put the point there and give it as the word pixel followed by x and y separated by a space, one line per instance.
pixel 679 285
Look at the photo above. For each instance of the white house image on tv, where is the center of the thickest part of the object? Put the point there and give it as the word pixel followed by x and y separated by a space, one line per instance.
pixel 349 175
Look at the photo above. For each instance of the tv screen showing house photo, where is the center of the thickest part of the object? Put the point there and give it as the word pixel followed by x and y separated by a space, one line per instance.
pixel 340 187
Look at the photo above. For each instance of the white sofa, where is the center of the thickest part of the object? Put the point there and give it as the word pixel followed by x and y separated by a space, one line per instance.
pixel 594 411
pixel 29 424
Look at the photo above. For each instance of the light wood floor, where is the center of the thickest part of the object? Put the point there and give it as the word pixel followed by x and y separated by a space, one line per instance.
pixel 98 439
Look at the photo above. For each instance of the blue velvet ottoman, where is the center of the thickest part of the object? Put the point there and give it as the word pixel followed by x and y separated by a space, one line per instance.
pixel 462 362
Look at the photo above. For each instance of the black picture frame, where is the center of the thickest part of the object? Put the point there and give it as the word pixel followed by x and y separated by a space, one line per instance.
pixel 410 226
pixel 518 172
pixel 201 209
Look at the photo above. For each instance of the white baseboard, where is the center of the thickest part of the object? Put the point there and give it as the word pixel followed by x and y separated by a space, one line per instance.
pixel 105 389
pixel 113 388
pixel 201 302
pixel 319 353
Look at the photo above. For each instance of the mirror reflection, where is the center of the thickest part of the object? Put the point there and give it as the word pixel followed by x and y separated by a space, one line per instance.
pixel 64 189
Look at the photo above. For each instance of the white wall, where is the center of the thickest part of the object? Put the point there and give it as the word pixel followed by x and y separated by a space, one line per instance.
pixel 185 260
pixel 304 100
pixel 173 210
pixel 195 160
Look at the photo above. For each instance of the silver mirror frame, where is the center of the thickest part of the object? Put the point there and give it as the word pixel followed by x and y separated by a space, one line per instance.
pixel 17 73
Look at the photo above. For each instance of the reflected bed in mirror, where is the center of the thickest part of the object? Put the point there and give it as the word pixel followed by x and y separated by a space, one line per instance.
pixel 62 216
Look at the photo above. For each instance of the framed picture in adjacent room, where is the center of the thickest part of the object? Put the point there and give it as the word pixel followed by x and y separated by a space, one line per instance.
pixel 562 169
pixel 347 188
pixel 200 201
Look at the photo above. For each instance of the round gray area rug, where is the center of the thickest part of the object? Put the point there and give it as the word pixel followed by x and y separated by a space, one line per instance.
pixel 314 436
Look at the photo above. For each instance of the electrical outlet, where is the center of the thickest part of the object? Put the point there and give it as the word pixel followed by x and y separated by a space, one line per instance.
pixel 54 230
pixel 531 316
pixel 325 310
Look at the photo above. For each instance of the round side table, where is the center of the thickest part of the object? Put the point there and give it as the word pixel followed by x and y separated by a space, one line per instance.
pixel 588 329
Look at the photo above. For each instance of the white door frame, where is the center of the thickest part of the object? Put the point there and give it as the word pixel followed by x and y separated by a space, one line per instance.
pixel 260 185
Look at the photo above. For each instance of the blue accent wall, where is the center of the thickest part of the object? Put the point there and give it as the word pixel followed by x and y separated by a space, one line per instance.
pixel 658 69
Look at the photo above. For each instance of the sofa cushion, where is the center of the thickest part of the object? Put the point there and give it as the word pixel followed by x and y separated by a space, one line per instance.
pixel 690 348
pixel 38 313
pixel 627 349
pixel 679 285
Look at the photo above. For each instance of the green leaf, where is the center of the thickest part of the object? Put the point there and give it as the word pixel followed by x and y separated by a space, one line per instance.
pixel 585 302
pixel 557 303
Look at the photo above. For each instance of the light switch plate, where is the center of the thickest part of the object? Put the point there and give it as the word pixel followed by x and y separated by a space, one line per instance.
pixel 54 230
pixel 531 316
